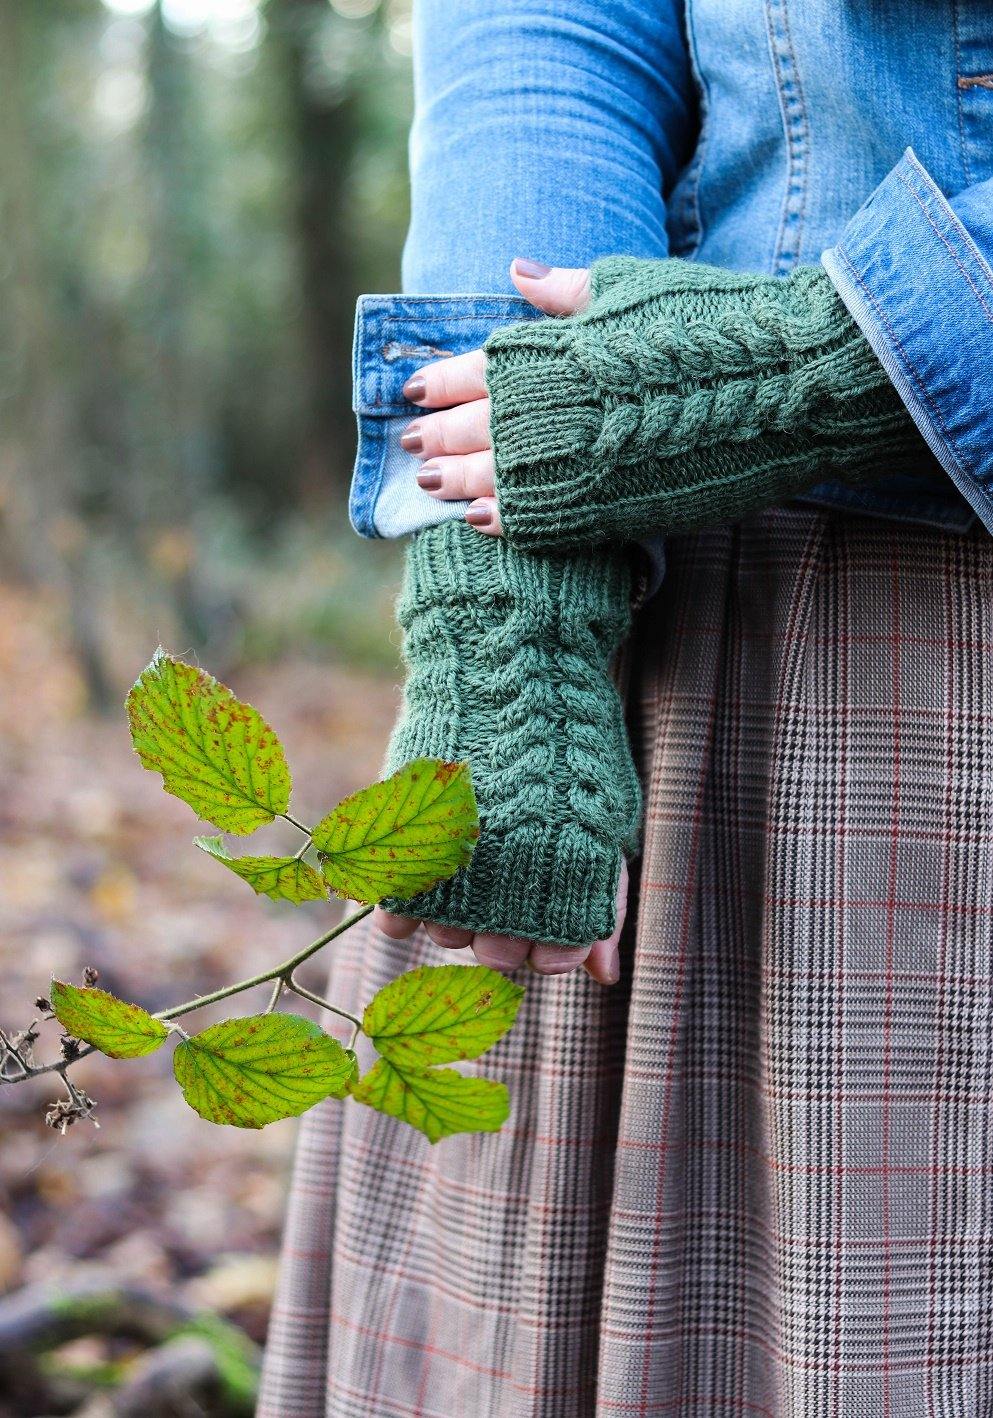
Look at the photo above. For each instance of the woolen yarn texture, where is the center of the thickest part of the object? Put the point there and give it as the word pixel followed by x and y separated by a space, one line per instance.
pixel 508 654
pixel 685 396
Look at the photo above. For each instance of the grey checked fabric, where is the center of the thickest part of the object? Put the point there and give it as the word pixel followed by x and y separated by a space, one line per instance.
pixel 757 1177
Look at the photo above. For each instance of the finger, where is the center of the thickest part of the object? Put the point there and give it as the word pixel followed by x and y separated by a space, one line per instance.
pixel 448 381
pixel 501 952
pixel 472 475
pixel 484 515
pixel 451 937
pixel 396 927
pixel 557 290
pixel 464 429
pixel 604 960
pixel 556 960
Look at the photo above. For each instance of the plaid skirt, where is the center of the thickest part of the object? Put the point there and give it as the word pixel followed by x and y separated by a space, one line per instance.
pixel 756 1177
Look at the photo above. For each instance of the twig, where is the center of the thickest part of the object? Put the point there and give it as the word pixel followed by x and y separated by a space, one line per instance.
pixel 281 974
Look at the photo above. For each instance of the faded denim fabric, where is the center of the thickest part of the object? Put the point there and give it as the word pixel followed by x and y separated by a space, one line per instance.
pixel 394 335
pixel 752 134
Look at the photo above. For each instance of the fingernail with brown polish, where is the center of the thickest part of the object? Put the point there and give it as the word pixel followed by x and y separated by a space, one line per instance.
pixel 429 478
pixel 534 269
pixel 411 441
pixel 415 388
pixel 479 516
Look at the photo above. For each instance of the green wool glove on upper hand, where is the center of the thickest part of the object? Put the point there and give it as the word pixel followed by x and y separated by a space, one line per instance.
pixel 685 396
pixel 508 655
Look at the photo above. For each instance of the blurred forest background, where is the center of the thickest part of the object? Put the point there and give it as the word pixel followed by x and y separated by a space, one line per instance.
pixel 192 194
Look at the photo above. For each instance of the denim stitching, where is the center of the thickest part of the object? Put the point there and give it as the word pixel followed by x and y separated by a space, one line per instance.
pixel 796 130
pixel 947 244
pixel 958 92
pixel 909 368
pixel 368 477
pixel 926 187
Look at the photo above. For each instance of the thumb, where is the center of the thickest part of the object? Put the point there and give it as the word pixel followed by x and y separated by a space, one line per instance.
pixel 557 290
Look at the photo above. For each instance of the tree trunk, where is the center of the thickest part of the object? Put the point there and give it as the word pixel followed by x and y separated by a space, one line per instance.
pixel 324 129
pixel 49 531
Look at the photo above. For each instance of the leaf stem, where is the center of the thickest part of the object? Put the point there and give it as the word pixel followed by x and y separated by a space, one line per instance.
pixel 356 1024
pixel 277 990
pixel 288 817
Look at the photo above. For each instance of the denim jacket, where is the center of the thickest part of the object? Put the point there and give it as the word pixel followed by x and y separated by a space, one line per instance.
pixel 754 134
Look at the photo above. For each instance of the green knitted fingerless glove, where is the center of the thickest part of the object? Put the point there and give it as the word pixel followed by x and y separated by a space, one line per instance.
pixel 508 657
pixel 685 396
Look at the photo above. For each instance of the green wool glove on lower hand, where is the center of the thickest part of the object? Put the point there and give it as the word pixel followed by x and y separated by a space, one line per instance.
pixel 685 396
pixel 508 667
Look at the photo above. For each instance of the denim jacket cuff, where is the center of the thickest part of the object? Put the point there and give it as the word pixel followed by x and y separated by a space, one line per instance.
pixel 922 293
pixel 394 335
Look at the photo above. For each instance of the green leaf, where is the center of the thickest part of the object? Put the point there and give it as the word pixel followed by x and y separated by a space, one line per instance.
pixel 438 1013
pixel 401 836
pixel 436 1101
pixel 253 1071
pixel 216 753
pixel 281 878
pixel 118 1029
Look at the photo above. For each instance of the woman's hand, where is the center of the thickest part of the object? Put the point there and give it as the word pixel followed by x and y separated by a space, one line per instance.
pixel 458 464
pixel 502 952
pixel 455 443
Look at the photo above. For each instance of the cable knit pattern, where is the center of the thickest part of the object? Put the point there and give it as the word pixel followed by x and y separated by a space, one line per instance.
pixel 508 654
pixel 682 397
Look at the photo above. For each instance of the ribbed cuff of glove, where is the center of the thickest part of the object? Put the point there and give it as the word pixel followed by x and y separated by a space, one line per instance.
pixel 685 396
pixel 508 657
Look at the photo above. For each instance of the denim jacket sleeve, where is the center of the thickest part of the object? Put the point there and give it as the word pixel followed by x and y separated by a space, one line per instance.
pixel 518 109
pixel 916 271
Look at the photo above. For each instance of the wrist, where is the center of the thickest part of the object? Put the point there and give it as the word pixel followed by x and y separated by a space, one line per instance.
pixel 684 396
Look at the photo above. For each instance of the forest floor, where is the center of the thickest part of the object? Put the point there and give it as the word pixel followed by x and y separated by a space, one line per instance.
pixel 97 869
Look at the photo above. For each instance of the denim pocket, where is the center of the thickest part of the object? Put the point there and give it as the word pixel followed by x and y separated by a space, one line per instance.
pixel 394 335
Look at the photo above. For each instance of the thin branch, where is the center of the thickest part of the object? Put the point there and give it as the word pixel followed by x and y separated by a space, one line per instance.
pixel 284 969
pixel 37 1070
pixel 11 1051
pixel 281 974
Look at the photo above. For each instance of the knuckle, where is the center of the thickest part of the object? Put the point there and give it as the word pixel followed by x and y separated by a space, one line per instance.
pixel 557 961
pixel 438 383
pixel 479 480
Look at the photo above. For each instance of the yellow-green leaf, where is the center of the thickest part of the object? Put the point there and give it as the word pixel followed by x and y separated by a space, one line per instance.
pixel 280 878
pixel 438 1013
pixel 253 1071
pixel 118 1029
pixel 436 1101
pixel 401 836
pixel 213 751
